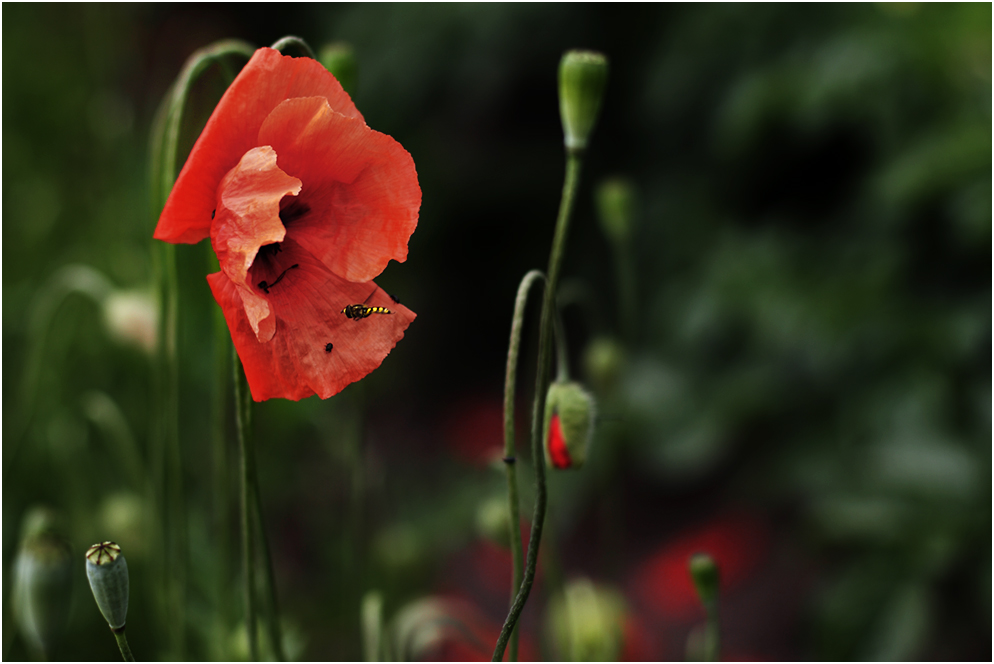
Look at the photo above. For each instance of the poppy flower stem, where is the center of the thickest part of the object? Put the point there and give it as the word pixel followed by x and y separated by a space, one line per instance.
pixel 251 500
pixel 574 161
pixel 281 45
pixel 167 456
pixel 517 556
pixel 122 645
pixel 247 468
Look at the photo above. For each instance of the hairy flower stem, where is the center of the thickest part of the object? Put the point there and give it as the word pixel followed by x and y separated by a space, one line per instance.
pixel 247 468
pixel 574 161
pixel 517 557
pixel 122 644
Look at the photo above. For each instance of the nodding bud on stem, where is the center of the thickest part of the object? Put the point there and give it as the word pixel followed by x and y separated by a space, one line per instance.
pixel 616 203
pixel 107 571
pixel 42 581
pixel 569 425
pixel 582 79
pixel 339 59
pixel 704 572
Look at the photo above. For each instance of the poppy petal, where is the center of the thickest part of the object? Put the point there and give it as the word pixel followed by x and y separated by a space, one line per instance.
pixel 233 129
pixel 360 186
pixel 248 217
pixel 316 349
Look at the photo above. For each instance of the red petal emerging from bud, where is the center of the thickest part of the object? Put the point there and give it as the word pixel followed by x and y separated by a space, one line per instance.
pixel 557 444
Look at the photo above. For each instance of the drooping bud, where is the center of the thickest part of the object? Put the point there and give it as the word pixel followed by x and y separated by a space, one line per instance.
pixel 339 59
pixel 42 582
pixel 569 425
pixel 704 572
pixel 616 205
pixel 493 520
pixel 107 571
pixel 582 79
pixel 586 623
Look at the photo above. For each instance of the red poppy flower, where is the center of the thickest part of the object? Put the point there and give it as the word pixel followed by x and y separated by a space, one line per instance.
pixel 304 205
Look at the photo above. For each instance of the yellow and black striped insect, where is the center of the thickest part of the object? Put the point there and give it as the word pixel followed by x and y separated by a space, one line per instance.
pixel 359 311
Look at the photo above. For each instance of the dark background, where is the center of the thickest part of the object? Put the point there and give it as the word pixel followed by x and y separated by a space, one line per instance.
pixel 805 390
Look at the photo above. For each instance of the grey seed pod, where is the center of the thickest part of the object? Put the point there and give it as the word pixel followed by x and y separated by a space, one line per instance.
pixel 107 571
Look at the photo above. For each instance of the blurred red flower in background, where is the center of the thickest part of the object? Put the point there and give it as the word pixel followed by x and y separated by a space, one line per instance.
pixel 304 205
pixel 474 429
pixel 738 543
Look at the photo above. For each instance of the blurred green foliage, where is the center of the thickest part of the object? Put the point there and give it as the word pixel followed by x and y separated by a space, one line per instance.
pixel 805 333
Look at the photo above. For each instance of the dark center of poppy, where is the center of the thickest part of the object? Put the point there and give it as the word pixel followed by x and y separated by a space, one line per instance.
pixel 292 209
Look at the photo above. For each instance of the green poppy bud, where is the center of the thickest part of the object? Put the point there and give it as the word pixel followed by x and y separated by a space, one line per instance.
pixel 339 59
pixel 616 204
pixel 42 583
pixel 107 571
pixel 569 425
pixel 582 78
pixel 493 520
pixel 603 361
pixel 586 623
pixel 704 572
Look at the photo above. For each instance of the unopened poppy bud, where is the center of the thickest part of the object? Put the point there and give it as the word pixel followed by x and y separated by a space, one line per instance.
pixel 582 79
pixel 132 318
pixel 493 520
pixel 704 572
pixel 586 623
pixel 616 202
pixel 107 571
pixel 569 425
pixel 603 360
pixel 42 586
pixel 339 59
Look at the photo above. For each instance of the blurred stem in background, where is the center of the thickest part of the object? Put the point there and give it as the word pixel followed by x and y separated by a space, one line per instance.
pixel 705 646
pixel 616 201
pixel 582 78
pixel 166 456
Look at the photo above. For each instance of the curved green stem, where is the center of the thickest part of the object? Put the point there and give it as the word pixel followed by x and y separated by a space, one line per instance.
pixel 290 40
pixel 573 165
pixel 517 557
pixel 167 456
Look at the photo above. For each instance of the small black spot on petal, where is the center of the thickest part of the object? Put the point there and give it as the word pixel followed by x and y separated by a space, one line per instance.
pixel 328 346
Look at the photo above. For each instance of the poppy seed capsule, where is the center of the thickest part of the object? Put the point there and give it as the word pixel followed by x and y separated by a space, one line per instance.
pixel 582 79
pixel 569 425
pixel 107 571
